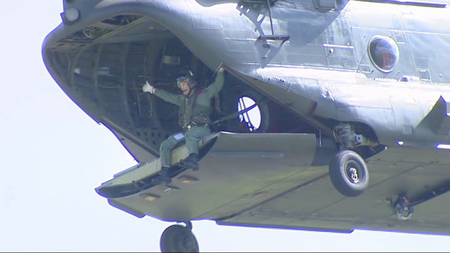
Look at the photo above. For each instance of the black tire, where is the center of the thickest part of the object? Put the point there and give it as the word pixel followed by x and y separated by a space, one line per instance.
pixel 177 238
pixel 348 173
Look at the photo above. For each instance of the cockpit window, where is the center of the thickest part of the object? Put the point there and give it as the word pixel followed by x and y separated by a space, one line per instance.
pixel 384 53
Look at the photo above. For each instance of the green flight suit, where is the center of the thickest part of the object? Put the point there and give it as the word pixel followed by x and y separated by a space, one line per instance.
pixel 192 131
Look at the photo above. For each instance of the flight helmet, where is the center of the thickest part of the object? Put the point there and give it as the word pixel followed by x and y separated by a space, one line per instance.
pixel 186 76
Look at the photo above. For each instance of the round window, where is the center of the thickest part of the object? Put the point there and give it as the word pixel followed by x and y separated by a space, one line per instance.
pixel 251 119
pixel 384 53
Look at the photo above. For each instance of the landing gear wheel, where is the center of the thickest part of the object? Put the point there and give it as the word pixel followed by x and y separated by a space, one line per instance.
pixel 348 173
pixel 177 238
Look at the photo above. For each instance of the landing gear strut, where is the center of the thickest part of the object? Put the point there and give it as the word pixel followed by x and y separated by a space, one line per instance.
pixel 348 170
pixel 348 173
pixel 178 238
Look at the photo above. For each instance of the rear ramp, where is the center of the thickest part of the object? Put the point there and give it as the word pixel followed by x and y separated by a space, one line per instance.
pixel 238 172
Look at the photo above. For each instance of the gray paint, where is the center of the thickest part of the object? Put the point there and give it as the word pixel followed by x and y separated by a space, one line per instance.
pixel 322 75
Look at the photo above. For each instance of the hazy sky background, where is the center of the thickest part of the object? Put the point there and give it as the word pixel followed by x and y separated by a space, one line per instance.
pixel 54 155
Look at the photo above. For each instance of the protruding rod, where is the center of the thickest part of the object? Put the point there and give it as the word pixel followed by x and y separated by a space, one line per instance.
pixel 270 16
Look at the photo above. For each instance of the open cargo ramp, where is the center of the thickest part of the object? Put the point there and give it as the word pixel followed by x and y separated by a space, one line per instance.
pixel 237 172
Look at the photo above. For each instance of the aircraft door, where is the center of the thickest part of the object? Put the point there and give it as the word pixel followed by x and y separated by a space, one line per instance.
pixel 338 46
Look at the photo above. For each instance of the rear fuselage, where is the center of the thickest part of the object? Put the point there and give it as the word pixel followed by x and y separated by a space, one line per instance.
pixel 379 66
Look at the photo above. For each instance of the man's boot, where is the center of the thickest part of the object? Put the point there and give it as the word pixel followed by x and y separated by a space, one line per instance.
pixel 192 162
pixel 165 174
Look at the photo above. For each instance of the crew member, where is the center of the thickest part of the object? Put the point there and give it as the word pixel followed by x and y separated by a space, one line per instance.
pixel 194 118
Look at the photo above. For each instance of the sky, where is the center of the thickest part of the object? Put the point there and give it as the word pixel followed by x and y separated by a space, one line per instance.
pixel 54 155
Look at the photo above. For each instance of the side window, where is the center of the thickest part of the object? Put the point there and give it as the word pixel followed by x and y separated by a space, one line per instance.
pixel 384 53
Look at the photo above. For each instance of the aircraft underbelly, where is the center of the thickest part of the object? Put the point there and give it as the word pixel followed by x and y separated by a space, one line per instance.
pixel 316 206
pixel 267 180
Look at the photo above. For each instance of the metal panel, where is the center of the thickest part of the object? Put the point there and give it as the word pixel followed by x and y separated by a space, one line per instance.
pixel 240 171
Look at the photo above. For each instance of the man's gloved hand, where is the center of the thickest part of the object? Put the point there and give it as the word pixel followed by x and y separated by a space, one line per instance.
pixel 220 68
pixel 148 88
